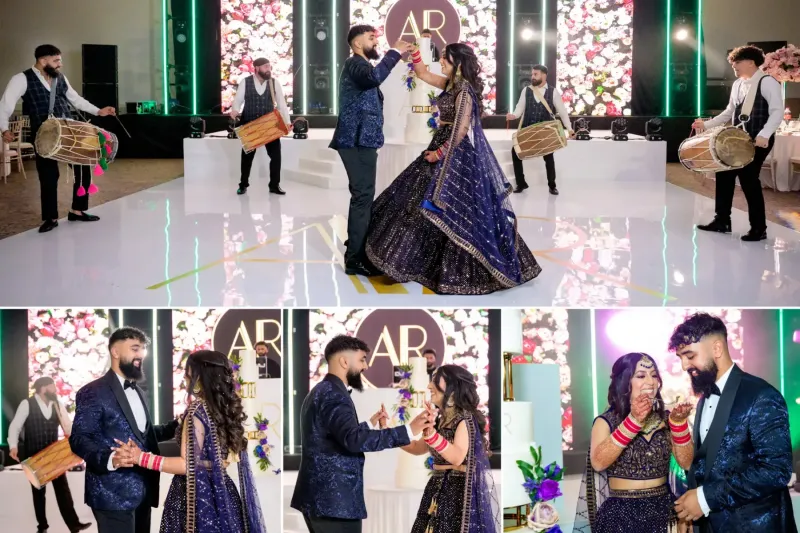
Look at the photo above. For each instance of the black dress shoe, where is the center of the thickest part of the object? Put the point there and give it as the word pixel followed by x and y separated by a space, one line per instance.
pixel 717 225
pixel 41 530
pixel 83 217
pixel 48 225
pixel 79 527
pixel 360 269
pixel 241 190
pixel 553 190
pixel 521 188
pixel 755 235
pixel 277 190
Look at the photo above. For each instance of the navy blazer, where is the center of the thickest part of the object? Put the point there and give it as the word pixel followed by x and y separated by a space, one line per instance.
pixel 749 452
pixel 102 415
pixel 330 483
pixel 360 121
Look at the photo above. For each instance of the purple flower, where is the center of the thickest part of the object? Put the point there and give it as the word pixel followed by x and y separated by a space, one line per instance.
pixel 554 529
pixel 235 368
pixel 530 485
pixel 552 470
pixel 263 442
pixel 259 450
pixel 549 490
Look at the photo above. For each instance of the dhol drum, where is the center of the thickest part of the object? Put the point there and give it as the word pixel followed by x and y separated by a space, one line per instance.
pixel 74 142
pixel 262 131
pixel 539 140
pixel 717 150
pixel 50 463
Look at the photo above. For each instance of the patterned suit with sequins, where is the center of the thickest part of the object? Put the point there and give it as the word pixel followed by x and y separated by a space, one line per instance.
pixel 750 452
pixel 102 415
pixel 330 483
pixel 358 135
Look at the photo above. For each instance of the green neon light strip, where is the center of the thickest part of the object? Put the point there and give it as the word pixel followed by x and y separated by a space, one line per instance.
pixel 668 61
pixel 194 57
pixel 165 54
pixel 595 411
pixel 289 356
pixel 512 42
pixel 699 58
pixel 304 55
pixel 781 348
pixel 157 385
pixel 544 31
pixel 334 69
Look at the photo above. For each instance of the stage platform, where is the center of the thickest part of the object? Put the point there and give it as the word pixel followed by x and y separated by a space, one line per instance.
pixel 310 161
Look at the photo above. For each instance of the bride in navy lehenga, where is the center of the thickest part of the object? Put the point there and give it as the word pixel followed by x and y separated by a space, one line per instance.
pixel 446 222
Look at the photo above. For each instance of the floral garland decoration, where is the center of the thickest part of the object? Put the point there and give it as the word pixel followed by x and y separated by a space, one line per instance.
pixel 400 409
pixel 433 122
pixel 542 486
pixel 410 78
pixel 429 464
pixel 236 364
pixel 263 448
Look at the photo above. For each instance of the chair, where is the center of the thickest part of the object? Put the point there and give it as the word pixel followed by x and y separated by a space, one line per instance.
pixel 15 148
pixel 6 155
pixel 770 163
pixel 26 149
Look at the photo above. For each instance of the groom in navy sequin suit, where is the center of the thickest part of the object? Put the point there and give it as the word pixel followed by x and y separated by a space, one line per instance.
pixel 330 483
pixel 359 134
pixel 113 407
pixel 743 453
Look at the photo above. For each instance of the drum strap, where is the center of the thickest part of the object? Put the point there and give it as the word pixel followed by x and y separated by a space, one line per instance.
pixel 541 98
pixel 750 99
pixel 272 93
pixel 53 85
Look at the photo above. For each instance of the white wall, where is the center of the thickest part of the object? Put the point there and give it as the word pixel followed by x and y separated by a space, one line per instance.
pixel 731 23
pixel 133 25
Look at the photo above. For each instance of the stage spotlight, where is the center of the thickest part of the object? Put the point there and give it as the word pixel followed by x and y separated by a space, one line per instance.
pixel 232 123
pixel 619 129
pixel 300 128
pixel 180 31
pixel 653 129
pixel 583 129
pixel 320 29
pixel 527 32
pixel 198 128
pixel 682 34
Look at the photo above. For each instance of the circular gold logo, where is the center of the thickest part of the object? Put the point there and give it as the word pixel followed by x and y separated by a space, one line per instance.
pixel 407 18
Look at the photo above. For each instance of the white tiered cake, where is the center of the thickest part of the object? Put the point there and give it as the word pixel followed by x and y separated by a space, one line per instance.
pixel 411 472
pixel 517 438
pixel 419 113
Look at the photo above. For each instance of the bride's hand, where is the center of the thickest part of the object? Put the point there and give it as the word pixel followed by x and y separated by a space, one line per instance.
pixel 430 157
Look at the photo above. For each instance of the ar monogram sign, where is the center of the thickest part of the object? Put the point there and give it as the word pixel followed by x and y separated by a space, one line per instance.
pixel 395 336
pixel 407 18
pixel 241 329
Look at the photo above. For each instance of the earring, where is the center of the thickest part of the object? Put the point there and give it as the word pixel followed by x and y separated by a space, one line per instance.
pixel 458 74
pixel 451 402
pixel 197 388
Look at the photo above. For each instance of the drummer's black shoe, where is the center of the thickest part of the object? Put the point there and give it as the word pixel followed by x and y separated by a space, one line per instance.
pixel 83 217
pixel 277 190
pixel 521 188
pixel 48 225
pixel 553 190
pixel 755 235
pixel 241 190
pixel 41 530
pixel 79 527
pixel 718 225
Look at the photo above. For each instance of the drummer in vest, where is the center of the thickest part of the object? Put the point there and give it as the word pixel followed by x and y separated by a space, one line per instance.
pixel 33 86
pixel 261 95
pixel 34 428
pixel 533 111
pixel 763 122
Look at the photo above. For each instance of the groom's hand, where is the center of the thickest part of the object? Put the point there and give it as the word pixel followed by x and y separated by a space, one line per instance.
pixel 421 422
pixel 688 507
pixel 378 420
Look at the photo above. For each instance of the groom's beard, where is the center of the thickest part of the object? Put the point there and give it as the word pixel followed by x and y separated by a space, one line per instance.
pixel 131 371
pixel 372 54
pixel 702 380
pixel 354 381
pixel 50 71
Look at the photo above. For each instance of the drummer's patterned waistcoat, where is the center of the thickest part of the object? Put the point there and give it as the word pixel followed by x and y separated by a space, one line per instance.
pixel 39 431
pixel 257 105
pixel 536 112
pixel 759 115
pixel 36 100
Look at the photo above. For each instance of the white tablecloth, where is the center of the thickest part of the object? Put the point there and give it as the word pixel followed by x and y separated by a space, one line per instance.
pixel 391 509
pixel 786 147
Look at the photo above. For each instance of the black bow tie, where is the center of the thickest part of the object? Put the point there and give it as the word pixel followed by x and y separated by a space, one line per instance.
pixel 129 385
pixel 350 392
pixel 713 390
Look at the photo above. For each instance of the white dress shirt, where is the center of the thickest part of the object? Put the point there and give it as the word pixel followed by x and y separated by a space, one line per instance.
pixel 709 409
pixel 17 427
pixel 557 101
pixel 137 407
pixel 280 105
pixel 407 426
pixel 19 84
pixel 770 90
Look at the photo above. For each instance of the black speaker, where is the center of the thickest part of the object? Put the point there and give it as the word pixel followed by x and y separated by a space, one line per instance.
pixel 102 94
pixel 100 74
pixel 769 46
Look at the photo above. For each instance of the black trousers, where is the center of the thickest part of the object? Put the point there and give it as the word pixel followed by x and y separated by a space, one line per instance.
pixel 48 186
pixel 361 165
pixel 64 499
pixel 134 521
pixel 751 187
pixel 549 165
pixel 274 153
pixel 332 525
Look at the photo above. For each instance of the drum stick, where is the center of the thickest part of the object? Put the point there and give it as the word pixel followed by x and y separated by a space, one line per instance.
pixel 123 126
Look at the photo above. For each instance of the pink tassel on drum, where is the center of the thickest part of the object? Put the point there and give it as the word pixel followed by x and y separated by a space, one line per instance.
pixel 98 170
pixel 93 189
pixel 81 191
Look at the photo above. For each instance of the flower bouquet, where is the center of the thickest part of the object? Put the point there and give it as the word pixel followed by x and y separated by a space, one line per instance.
pixel 783 64
pixel 262 449
pixel 404 394
pixel 410 78
pixel 542 486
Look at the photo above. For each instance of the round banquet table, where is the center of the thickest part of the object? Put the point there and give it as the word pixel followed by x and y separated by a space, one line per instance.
pixel 786 147
pixel 391 509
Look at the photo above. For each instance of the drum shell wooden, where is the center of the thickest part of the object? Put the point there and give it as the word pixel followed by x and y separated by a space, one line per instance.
pixel 71 141
pixel 717 150
pixel 538 140
pixel 50 463
pixel 262 131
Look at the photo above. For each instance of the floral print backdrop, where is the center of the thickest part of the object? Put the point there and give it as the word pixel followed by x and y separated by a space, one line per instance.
pixel 192 330
pixel 595 56
pixel 253 29
pixel 478 29
pixel 68 345
pixel 466 334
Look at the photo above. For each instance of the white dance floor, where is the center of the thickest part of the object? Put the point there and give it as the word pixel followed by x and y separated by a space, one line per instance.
pixel 16 511
pixel 199 244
